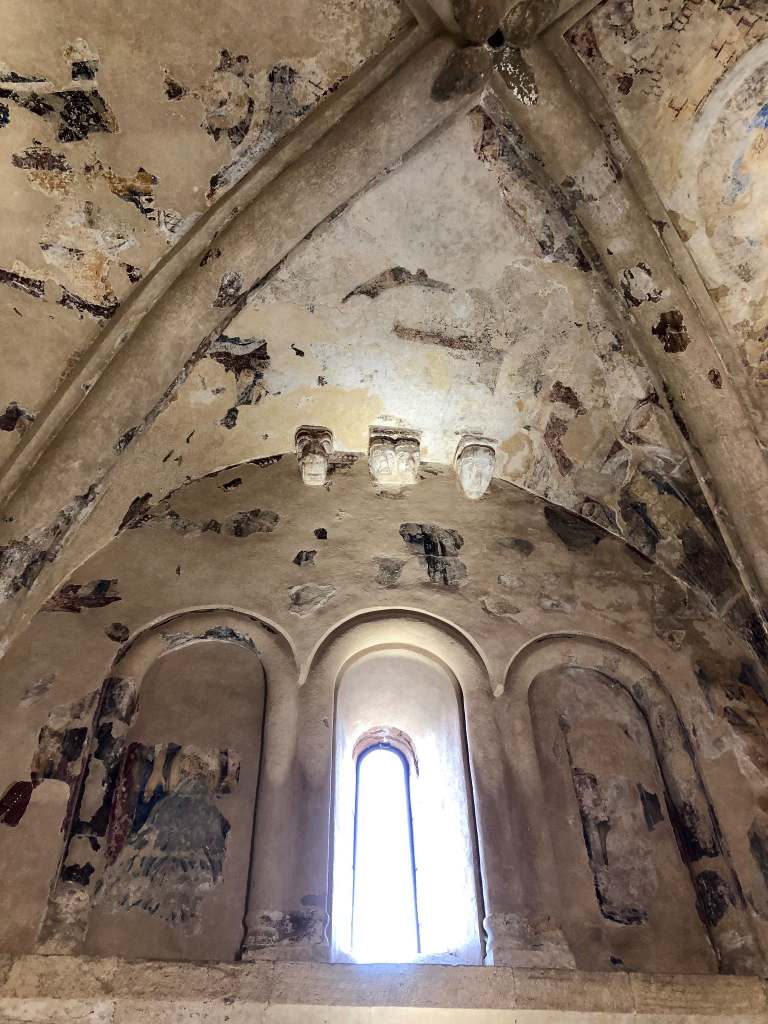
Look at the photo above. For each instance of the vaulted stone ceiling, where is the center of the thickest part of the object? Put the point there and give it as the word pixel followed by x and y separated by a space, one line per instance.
pixel 225 221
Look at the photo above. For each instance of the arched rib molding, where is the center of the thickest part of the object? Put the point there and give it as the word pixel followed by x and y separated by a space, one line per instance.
pixel 63 469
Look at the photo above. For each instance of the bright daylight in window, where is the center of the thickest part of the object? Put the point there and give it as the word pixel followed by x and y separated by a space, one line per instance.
pixel 385 925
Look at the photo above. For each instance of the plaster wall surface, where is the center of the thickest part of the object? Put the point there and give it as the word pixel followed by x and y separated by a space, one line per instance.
pixel 304 560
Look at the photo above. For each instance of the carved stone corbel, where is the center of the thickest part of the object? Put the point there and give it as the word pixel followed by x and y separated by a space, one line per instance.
pixel 393 458
pixel 313 451
pixel 474 462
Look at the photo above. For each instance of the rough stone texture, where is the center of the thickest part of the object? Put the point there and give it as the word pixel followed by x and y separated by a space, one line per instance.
pixel 338 993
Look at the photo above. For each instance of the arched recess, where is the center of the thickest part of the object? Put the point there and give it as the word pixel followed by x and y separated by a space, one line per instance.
pixel 198 713
pixel 453 653
pixel 700 843
pixel 408 698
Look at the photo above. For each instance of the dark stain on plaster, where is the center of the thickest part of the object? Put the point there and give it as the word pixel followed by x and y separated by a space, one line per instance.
pixel 40 158
pixel 564 394
pixel 292 928
pixel 73 597
pixel 703 564
pixel 305 558
pixel 696 838
pixel 554 432
pixel 283 112
pixel 265 460
pixel 230 289
pixel 715 379
pixel 758 847
pixel 124 440
pixel 257 520
pixel 321 533
pixel 439 547
pixel 639 529
pixel 37 690
pixel 232 99
pixel 748 677
pixel 84 70
pixel 574 192
pixel 117 631
pixel 15 418
pixel 462 74
pixel 393 278
pixel 239 524
pixel 230 485
pixel 138 190
pixel 79 873
pixel 454 342
pixel 637 286
pixel 671 331
pixel 247 359
pixel 713 897
pixel 568 252
pixel 519 545
pixel 138 512
pixel 59 755
pixel 388 571
pixel 596 826
pixel 211 254
pixel 651 807
pixel 676 415
pixel 173 90
pixel 76 113
pixel 229 420
pixel 96 310
pixel 14 803
pixel 22 561
pixel 31 285
pixel 576 533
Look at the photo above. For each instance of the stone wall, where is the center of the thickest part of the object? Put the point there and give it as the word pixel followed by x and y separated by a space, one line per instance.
pixel 62 990
pixel 127 698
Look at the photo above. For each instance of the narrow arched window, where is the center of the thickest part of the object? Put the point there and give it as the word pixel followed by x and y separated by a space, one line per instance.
pixel 385 920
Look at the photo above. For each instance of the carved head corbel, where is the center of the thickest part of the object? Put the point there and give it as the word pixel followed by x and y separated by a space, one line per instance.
pixel 474 462
pixel 313 451
pixel 393 458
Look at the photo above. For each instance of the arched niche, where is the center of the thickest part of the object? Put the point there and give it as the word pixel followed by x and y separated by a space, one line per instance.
pixel 626 895
pixel 407 700
pixel 300 929
pixel 159 855
pixel 632 691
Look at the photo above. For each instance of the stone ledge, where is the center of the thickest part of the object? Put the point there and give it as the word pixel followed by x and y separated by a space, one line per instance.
pixel 53 988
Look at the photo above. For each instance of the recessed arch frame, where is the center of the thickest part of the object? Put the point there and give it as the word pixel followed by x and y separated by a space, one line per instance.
pixel 65 925
pixel 702 845
pixel 377 629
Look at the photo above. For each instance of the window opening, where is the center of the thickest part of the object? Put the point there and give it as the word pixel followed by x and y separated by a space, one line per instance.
pixel 385 925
